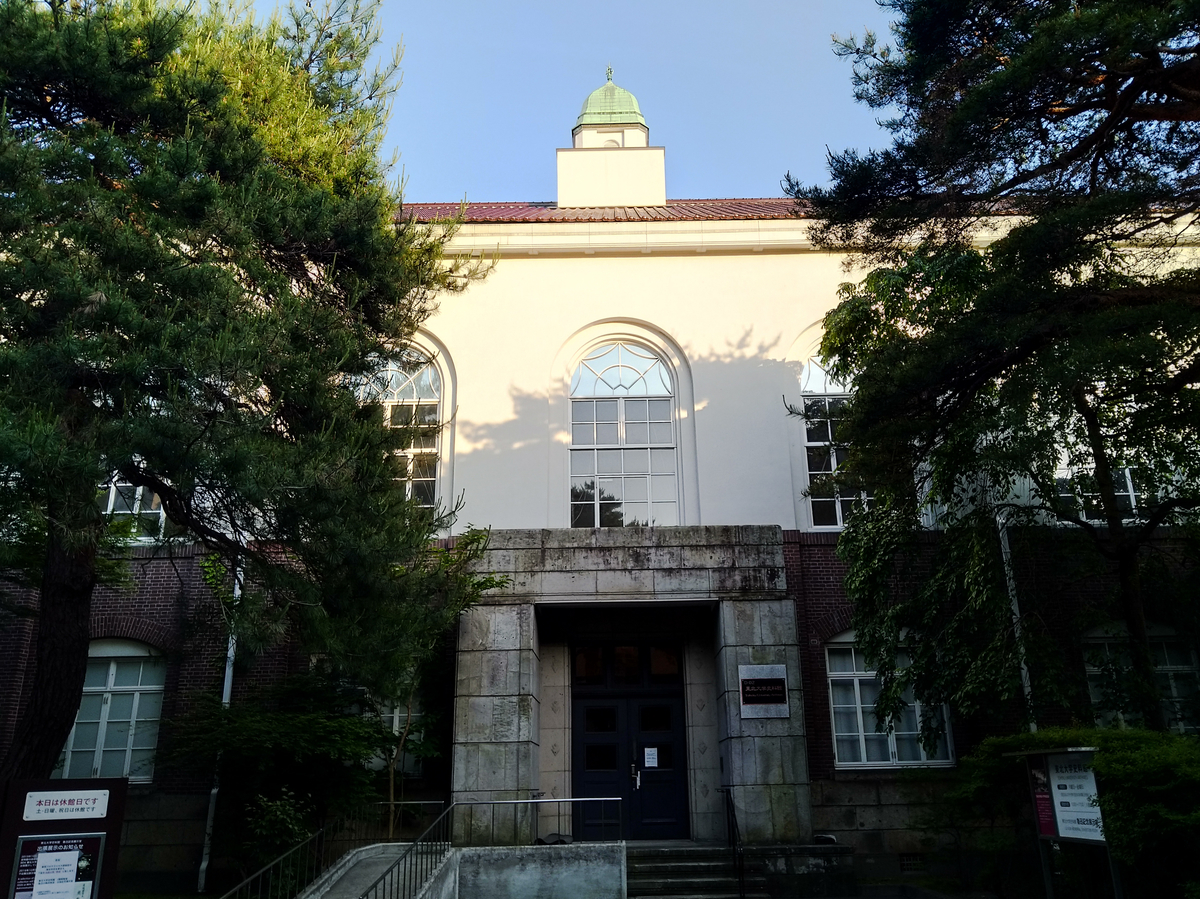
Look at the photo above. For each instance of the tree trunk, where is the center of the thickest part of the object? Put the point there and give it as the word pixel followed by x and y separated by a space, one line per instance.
pixel 1144 691
pixel 395 760
pixel 60 661
pixel 1123 546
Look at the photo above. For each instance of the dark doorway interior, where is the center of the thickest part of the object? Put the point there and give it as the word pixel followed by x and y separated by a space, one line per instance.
pixel 628 716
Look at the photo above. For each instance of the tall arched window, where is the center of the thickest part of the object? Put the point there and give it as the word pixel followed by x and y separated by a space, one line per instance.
pixel 624 466
pixel 116 728
pixel 410 389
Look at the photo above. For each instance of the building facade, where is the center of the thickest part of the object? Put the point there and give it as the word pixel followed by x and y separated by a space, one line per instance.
pixel 612 401
pixel 615 407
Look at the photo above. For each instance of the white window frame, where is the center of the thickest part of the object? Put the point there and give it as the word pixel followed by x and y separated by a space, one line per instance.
pixel 624 437
pixel 433 462
pixel 118 657
pixel 566 360
pixel 118 499
pixel 860 713
pixel 1171 674
pixel 841 505
pixel 1124 486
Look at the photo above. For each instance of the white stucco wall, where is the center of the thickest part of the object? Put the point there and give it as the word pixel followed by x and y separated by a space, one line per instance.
pixel 738 310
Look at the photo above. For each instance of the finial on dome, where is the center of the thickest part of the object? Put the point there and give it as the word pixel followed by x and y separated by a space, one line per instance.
pixel 608 72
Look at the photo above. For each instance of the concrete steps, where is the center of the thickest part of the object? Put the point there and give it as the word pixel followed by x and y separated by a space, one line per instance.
pixel 686 872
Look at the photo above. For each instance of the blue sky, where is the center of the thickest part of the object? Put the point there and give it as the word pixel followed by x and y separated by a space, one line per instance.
pixel 739 94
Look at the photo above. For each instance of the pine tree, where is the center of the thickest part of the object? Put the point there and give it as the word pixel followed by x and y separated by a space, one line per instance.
pixel 1033 330
pixel 201 265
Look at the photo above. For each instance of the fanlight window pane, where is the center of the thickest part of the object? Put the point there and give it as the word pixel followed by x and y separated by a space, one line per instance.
pixel 621 369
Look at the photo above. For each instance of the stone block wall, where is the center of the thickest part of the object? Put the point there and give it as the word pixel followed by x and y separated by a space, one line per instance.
pixel 496 704
pixel 502 744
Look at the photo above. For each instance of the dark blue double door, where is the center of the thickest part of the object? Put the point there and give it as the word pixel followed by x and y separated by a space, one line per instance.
pixel 632 747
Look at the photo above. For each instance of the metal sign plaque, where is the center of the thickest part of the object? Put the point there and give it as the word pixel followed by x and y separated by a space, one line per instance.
pixel 764 691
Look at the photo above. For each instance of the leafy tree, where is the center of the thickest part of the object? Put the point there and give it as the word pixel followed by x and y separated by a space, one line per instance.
pixel 201 263
pixel 1148 793
pixel 1033 328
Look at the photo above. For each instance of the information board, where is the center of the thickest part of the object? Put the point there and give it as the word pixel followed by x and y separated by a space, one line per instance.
pixel 1073 788
pixel 59 839
pixel 58 867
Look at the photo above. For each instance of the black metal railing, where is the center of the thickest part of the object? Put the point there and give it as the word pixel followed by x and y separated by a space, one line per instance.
pixel 509 822
pixel 735 841
pixel 378 822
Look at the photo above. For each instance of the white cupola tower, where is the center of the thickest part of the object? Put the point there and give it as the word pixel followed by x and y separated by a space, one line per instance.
pixel 611 162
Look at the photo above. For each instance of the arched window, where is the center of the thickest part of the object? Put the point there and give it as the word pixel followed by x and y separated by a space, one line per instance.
pixel 410 389
pixel 823 399
pixel 624 466
pixel 116 728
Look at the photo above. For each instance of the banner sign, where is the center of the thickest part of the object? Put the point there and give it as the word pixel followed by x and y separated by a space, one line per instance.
pixel 1073 786
pixel 59 804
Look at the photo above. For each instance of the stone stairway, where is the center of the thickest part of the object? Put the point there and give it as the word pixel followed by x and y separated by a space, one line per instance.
pixel 685 871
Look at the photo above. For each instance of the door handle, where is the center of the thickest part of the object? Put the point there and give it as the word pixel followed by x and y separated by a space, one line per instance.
pixel 636 775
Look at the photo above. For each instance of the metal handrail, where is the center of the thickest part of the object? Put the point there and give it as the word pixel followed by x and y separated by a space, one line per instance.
pixel 292 872
pixel 735 841
pixel 409 873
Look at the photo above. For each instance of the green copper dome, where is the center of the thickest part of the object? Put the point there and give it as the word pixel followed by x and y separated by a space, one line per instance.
pixel 610 105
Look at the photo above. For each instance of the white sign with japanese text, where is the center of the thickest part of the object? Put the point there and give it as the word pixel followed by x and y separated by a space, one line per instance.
pixel 1073 791
pixel 60 805
pixel 54 877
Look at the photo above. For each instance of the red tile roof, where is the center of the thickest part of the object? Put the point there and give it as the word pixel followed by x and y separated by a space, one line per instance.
pixel 675 210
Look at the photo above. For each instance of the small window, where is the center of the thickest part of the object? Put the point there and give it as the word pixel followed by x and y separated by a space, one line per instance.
pixel 1079 494
pixel 116 728
pixel 141 509
pixel 824 452
pixel 858 741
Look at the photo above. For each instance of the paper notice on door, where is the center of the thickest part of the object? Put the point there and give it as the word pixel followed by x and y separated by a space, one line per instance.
pixel 651 757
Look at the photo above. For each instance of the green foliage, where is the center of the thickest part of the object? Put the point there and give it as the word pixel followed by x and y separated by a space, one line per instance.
pixel 1010 387
pixel 296 753
pixel 1149 796
pixel 274 826
pixel 1066 110
pixel 200 262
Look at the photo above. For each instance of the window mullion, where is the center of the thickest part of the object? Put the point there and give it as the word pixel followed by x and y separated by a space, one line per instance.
pixel 862 719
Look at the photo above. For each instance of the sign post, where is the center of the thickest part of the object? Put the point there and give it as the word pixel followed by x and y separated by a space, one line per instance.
pixel 1063 786
pixel 59 838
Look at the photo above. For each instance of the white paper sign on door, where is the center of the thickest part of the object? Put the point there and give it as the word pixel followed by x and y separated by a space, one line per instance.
pixel 651 757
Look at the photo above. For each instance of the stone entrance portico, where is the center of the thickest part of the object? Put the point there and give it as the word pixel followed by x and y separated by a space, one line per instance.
pixel 724 589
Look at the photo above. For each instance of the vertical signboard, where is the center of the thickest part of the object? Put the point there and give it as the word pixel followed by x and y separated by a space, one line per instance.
pixel 1064 796
pixel 1073 786
pixel 59 838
